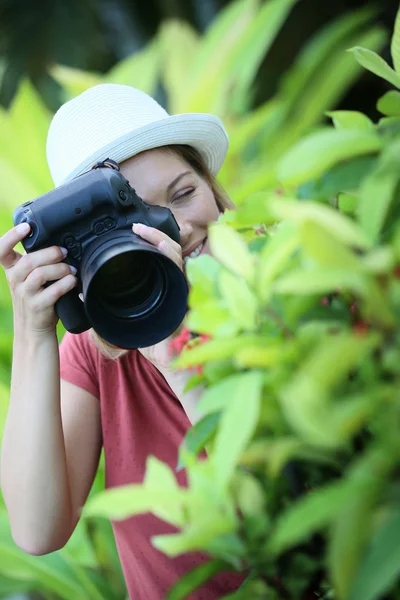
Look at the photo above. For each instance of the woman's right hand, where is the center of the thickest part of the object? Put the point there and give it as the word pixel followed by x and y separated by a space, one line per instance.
pixel 27 274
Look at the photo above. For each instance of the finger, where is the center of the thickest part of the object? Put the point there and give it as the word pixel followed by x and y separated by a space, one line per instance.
pixel 169 251
pixel 42 275
pixel 40 258
pixel 153 235
pixel 8 256
pixel 49 295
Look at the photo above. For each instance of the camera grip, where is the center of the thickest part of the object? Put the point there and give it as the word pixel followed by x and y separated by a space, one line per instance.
pixel 71 312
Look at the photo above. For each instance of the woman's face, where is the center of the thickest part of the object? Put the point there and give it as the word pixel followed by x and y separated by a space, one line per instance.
pixel 165 179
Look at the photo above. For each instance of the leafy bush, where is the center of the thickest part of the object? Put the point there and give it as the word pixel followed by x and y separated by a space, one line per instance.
pixel 301 409
pixel 254 351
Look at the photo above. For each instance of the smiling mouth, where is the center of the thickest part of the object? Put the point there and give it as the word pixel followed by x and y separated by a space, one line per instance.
pixel 195 252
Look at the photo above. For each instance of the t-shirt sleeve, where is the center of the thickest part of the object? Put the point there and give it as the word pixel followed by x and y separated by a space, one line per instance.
pixel 78 362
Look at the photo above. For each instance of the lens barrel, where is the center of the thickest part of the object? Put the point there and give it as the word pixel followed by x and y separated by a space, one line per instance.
pixel 134 296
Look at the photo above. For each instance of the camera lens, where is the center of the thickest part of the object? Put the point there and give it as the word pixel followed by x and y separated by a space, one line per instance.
pixel 134 296
pixel 130 285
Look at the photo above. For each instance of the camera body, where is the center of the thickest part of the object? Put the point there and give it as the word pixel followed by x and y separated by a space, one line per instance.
pixel 91 215
pixel 76 214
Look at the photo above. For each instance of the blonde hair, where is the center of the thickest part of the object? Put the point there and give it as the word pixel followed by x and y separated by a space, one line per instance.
pixel 194 160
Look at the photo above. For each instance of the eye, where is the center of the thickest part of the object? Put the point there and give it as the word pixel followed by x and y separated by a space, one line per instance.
pixel 183 194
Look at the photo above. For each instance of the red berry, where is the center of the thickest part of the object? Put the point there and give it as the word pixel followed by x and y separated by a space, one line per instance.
pixel 360 328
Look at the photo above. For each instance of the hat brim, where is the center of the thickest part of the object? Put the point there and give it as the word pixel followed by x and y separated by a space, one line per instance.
pixel 203 132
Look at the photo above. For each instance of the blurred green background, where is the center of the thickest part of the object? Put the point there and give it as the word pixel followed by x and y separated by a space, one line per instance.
pixel 269 69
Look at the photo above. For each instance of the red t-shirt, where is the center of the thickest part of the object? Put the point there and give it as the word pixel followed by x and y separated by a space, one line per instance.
pixel 140 416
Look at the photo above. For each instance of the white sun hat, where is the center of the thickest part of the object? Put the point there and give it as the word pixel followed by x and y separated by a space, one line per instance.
pixel 118 121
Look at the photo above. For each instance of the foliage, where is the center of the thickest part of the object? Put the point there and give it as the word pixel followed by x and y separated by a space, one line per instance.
pixel 260 301
pixel 300 487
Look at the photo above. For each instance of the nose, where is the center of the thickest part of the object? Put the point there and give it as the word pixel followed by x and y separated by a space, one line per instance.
pixel 186 231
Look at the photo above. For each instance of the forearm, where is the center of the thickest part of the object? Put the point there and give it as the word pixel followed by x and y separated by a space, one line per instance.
pixel 177 381
pixel 33 462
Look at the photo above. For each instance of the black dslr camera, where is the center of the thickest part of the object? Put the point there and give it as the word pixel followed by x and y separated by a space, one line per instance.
pixel 134 296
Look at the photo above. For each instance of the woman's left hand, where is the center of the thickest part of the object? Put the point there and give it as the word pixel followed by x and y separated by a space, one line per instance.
pixel 159 354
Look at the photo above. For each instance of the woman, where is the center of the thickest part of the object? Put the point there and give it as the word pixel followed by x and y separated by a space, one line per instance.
pixel 131 402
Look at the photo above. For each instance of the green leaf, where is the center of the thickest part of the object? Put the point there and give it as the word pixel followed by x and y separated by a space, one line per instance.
pixel 374 63
pixel 395 43
pixel 340 226
pixel 201 91
pixel 52 572
pixel 378 192
pixel 239 299
pixel 125 501
pixel 212 318
pixel 319 244
pixel 349 536
pixel 311 66
pixel 305 399
pixel 140 69
pixel 74 81
pixel 196 536
pixel 237 425
pixel 389 104
pixel 350 119
pixel 198 436
pixel 179 43
pixel 252 47
pixel 323 90
pixel 249 494
pixel 277 252
pixel 159 474
pixel 344 177
pixel 219 395
pixel 381 564
pixel 319 281
pixel 194 578
pixel 320 151
pixel 310 514
pixel 228 247
pixel 218 349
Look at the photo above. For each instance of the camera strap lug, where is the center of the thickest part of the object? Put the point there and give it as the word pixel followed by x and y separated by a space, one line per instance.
pixel 108 162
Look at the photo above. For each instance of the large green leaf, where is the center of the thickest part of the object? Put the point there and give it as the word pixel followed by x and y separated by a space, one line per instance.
pixel 395 43
pixel 178 44
pixel 375 63
pixel 159 495
pixel 350 119
pixel 305 400
pixel 198 436
pixel 314 57
pixel 378 192
pixel 389 104
pixel 339 226
pixel 230 250
pixel 74 81
pixel 239 299
pixel 311 513
pixel 197 536
pixel 194 578
pixel 23 132
pixel 321 150
pixel 52 573
pixel 251 48
pixel 237 425
pixel 381 564
pixel 200 92
pixel 349 536
pixel 141 69
pixel 322 91
pixel 218 349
